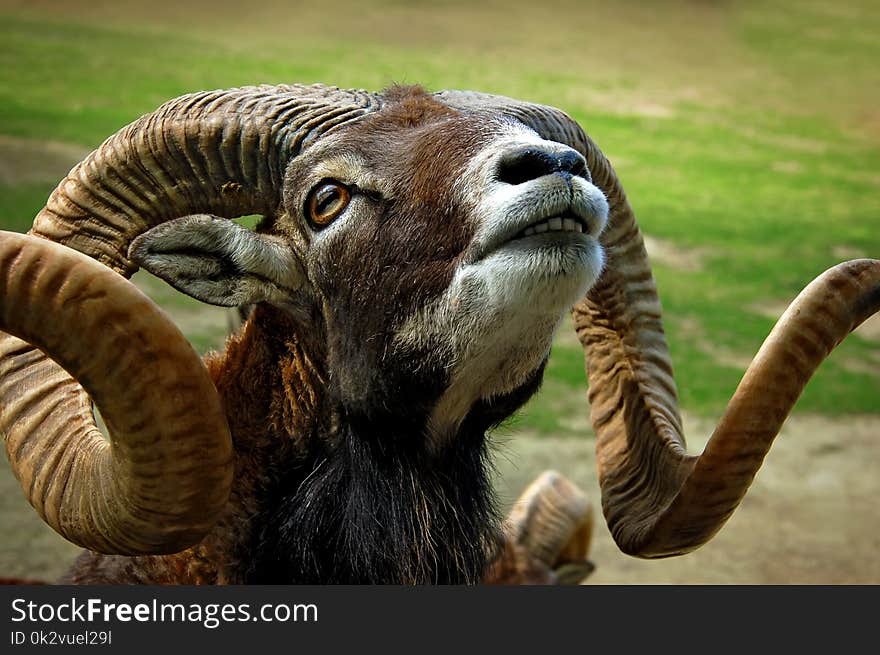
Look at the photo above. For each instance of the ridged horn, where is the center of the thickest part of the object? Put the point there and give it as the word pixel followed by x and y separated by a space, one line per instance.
pixel 659 501
pixel 213 152
pixel 552 521
pixel 165 475
pixel 218 152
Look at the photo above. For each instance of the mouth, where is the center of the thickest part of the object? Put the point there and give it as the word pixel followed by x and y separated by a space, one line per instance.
pixel 561 214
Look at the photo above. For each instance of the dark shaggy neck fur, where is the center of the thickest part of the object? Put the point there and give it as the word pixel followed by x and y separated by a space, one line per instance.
pixel 376 508
pixel 363 499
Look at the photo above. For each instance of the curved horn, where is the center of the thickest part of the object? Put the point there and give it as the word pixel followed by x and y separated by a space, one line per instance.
pixel 141 492
pixel 223 152
pixel 214 152
pixel 659 501
pixel 552 520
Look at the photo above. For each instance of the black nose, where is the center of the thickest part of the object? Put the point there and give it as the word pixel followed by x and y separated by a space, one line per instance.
pixel 530 163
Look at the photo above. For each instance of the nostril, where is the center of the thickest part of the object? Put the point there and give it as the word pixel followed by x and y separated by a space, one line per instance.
pixel 525 164
pixel 530 163
pixel 571 161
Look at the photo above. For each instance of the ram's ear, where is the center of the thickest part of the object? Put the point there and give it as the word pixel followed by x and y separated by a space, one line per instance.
pixel 219 262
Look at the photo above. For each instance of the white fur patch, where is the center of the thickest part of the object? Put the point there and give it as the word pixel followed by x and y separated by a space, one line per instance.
pixel 495 322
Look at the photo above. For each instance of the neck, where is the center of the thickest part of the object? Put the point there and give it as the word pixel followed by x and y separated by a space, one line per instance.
pixel 324 495
pixel 371 508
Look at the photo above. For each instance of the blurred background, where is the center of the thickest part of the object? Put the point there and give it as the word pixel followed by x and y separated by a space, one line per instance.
pixel 747 135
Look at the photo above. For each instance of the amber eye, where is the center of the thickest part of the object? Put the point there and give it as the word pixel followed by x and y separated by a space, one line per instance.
pixel 326 202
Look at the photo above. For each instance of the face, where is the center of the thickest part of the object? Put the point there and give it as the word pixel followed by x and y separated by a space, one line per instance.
pixel 430 254
pixel 441 251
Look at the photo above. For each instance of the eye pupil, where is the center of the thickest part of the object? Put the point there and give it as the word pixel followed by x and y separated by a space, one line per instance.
pixel 327 197
pixel 327 201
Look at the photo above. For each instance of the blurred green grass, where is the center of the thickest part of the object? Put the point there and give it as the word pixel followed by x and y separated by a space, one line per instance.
pixel 748 134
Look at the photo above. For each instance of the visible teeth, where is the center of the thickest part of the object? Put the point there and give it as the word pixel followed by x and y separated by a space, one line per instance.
pixel 554 224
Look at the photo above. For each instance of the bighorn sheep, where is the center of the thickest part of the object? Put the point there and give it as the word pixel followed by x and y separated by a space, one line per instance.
pixel 416 253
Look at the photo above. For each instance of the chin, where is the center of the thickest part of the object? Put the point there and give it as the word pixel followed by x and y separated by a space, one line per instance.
pixel 536 275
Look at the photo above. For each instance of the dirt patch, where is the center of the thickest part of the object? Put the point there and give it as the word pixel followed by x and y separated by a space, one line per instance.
pixel 811 516
pixel 630 104
pixel 789 167
pixel 848 252
pixel 867 365
pixel 670 254
pixel 29 161
pixel 870 329
pixel 791 142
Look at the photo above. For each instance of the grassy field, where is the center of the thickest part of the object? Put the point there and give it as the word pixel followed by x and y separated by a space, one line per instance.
pixel 747 139
pixel 746 134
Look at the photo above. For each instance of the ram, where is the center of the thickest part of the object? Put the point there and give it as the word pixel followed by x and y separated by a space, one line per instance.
pixel 415 255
